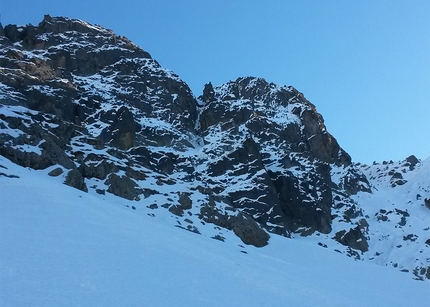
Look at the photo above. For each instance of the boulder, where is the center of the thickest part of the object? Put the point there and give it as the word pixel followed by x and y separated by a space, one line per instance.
pixel 242 224
pixel 75 179
pixel 353 238
pixel 412 160
pixel 123 186
pixel 185 203
pixel 249 231
pixel 56 172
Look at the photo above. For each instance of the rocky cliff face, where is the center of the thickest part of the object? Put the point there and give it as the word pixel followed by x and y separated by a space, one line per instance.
pixel 249 156
pixel 271 154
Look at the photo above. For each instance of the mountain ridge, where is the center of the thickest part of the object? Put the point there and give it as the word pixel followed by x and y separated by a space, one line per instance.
pixel 249 155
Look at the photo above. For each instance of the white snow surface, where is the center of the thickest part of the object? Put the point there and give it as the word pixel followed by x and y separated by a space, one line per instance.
pixel 62 247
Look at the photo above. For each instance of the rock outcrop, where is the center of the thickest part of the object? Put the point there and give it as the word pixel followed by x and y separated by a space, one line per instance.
pixel 264 149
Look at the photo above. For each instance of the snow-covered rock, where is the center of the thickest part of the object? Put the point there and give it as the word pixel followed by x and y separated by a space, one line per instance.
pixel 248 156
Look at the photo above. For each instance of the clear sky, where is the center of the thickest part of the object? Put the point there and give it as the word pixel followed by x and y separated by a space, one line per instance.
pixel 364 64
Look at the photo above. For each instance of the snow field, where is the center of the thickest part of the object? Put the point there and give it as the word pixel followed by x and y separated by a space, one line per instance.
pixel 62 247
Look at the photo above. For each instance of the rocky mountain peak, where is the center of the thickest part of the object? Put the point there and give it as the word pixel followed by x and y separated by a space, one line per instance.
pixel 70 69
pixel 291 118
pixel 97 112
pixel 53 31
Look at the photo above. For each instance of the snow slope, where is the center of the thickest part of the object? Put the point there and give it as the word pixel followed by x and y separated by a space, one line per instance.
pixel 399 222
pixel 62 247
pixel 397 225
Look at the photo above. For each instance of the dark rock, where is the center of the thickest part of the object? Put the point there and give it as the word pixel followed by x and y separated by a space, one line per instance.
pixel 411 237
pixel 53 154
pixel 248 155
pixel 325 147
pixel 381 217
pixel 242 225
pixel 176 210
pixel 123 129
pixel 135 174
pixel 364 225
pixel 353 238
pixel 25 159
pixel 353 253
pixel 56 172
pixel 208 93
pixel 219 238
pixel 50 145
pixel 123 186
pixel 185 201
pixel 322 144
pixel 100 191
pixel 427 202
pixel 1 30
pixel 148 192
pixel 249 231
pixel 397 175
pixel 165 164
pixel 190 228
pixel 300 210
pixel 354 181
pixel 351 213
pixel 402 221
pixel 97 167
pixel 402 212
pixel 412 160
pixel 75 179
pixel 291 133
pixel 396 179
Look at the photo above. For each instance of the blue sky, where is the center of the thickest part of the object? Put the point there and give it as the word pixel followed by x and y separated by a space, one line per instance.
pixel 364 64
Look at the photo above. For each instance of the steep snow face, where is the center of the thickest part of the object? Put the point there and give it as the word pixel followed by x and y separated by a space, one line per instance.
pixel 394 217
pixel 399 220
pixel 63 247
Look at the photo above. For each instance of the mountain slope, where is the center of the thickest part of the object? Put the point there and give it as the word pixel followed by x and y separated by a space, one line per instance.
pixel 63 247
pixel 247 156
